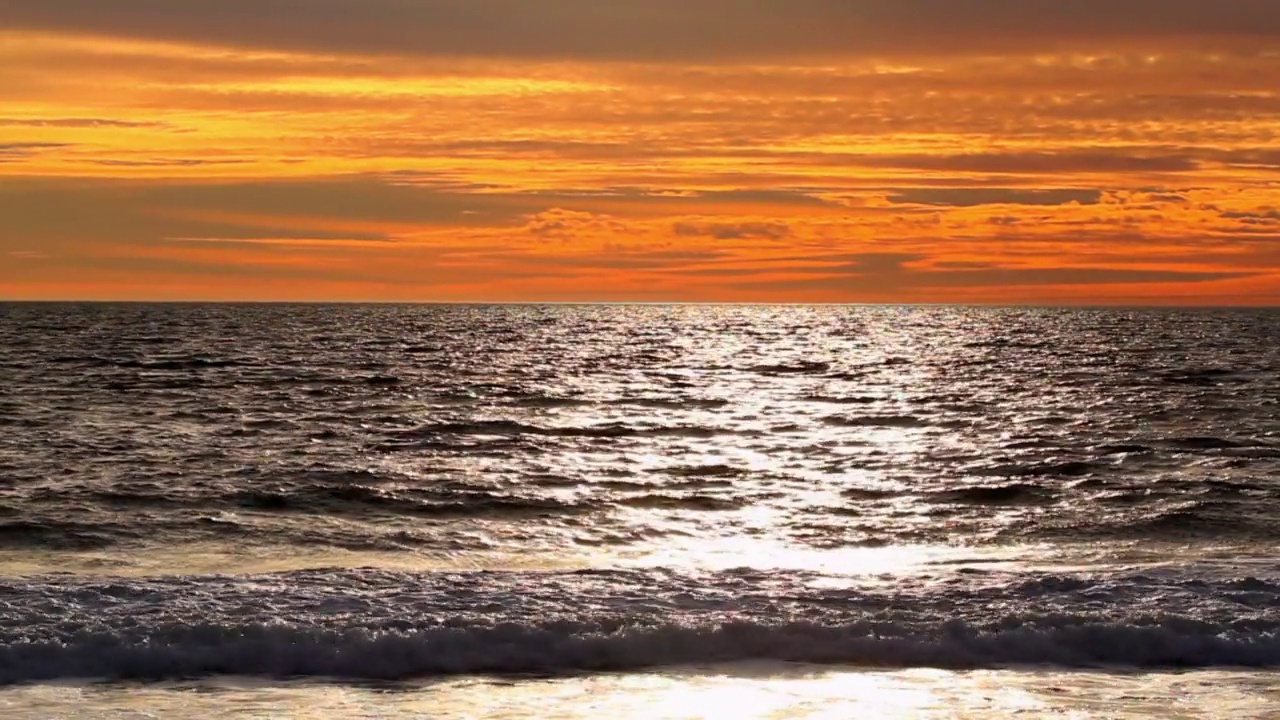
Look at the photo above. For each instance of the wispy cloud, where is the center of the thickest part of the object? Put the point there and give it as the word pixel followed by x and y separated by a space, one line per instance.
pixel 76 122
pixel 657 30
pixel 20 150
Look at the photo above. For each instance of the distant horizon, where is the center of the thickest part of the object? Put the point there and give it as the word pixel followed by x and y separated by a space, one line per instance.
pixel 651 303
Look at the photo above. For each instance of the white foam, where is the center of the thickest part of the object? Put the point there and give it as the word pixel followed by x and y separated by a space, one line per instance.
pixel 384 624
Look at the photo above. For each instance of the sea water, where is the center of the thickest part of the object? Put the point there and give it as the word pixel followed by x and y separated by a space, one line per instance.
pixel 638 511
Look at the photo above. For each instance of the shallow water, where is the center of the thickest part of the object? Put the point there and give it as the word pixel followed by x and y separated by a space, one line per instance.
pixel 773 692
pixel 440 493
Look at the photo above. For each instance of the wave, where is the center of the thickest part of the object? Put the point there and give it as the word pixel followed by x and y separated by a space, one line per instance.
pixel 1006 344
pixel 60 534
pixel 1017 493
pixel 1065 469
pixel 872 421
pixel 190 363
pixel 1123 449
pixel 681 403
pixel 661 501
pixel 356 499
pixel 842 400
pixel 381 624
pixel 514 428
pixel 1226 516
pixel 1204 377
pixel 548 402
pixel 380 380
pixel 871 493
pixel 1211 518
pixel 707 471
pixel 1207 443
pixel 342 496
pixel 804 367
pixel 282 651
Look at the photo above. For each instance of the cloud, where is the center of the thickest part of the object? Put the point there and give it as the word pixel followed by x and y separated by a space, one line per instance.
pixel 880 262
pixel 89 212
pixel 1030 162
pixel 166 162
pixel 561 224
pixel 734 231
pixel 354 207
pixel 654 30
pixel 10 152
pixel 763 196
pixel 652 199
pixel 622 259
pixel 1266 220
pixel 289 242
pixel 1006 277
pixel 71 122
pixel 963 265
pixel 972 197
pixel 889 275
pixel 1262 214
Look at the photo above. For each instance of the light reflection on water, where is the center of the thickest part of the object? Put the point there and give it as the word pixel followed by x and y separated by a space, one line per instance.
pixel 598 431
pixel 1038 478
pixel 760 691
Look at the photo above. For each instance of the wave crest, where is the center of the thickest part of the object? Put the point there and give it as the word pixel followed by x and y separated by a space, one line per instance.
pixel 279 651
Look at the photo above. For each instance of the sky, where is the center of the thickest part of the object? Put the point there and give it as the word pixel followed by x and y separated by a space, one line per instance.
pixel 988 151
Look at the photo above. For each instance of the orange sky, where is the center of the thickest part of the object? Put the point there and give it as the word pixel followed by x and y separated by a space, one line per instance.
pixel 651 150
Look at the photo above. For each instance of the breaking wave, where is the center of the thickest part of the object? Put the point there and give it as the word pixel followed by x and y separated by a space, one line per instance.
pixel 283 651
pixel 390 625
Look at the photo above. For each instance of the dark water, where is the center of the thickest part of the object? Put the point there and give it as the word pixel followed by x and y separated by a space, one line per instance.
pixel 512 488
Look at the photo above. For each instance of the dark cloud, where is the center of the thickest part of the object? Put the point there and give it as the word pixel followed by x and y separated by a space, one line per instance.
pixel 654 29
pixel 734 231
pixel 56 209
pixel 658 198
pixel 973 197
pixel 562 224
pixel 76 122
pixel 17 151
pixel 248 271
pixel 770 196
pixel 1261 159
pixel 890 275
pixel 880 262
pixel 963 265
pixel 1263 214
pixel 997 277
pixel 635 260
pixel 87 212
pixel 419 268
pixel 1030 162
pixel 821 267
pixel 1012 162
pixel 167 162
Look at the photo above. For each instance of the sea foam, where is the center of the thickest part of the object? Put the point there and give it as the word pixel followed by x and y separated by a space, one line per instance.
pixel 379 624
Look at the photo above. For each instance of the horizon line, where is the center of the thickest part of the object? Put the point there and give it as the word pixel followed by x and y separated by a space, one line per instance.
pixel 648 303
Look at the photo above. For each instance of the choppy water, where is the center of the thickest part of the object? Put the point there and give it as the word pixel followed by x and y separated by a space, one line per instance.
pixel 391 492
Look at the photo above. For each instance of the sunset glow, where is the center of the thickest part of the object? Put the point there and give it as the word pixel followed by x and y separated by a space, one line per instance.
pixel 828 151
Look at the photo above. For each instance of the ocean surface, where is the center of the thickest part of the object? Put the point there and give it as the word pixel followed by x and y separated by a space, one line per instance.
pixel 638 511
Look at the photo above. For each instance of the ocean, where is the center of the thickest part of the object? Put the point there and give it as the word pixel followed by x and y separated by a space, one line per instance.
pixel 638 511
